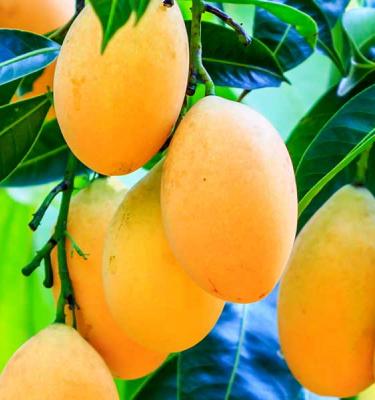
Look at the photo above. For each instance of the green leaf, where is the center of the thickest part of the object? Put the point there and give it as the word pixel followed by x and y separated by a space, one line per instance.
pixel 338 137
pixel 47 160
pixel 113 14
pixel 162 384
pixel 302 22
pixel 359 25
pixel 238 360
pixel 288 43
pixel 363 145
pixel 7 91
pixel 311 124
pixel 22 53
pixel 232 64
pixel 20 125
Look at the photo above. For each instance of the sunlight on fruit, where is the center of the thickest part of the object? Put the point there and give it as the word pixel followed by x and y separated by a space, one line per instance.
pixel 326 306
pixel 116 109
pixel 90 214
pixel 149 294
pixel 235 231
pixel 57 364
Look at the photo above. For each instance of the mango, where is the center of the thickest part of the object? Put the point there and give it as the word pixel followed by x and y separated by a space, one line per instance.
pixel 326 304
pixel 149 294
pixel 57 364
pixel 38 16
pixel 90 214
pixel 116 109
pixel 229 200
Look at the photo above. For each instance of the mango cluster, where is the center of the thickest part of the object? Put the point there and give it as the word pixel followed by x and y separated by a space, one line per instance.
pixel 213 221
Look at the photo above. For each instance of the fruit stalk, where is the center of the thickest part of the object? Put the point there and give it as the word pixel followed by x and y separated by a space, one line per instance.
pixel 243 36
pixel 66 294
pixel 197 69
pixel 80 4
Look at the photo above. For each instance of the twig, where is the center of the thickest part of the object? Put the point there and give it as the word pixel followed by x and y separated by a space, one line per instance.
pixel 243 36
pixel 38 216
pixel 39 257
pixel 80 5
pixel 66 294
pixel 197 69
pixel 48 274
pixel 243 94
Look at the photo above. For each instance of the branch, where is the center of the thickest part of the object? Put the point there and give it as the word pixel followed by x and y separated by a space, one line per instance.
pixel 48 274
pixel 243 36
pixel 197 69
pixel 40 256
pixel 66 294
pixel 38 216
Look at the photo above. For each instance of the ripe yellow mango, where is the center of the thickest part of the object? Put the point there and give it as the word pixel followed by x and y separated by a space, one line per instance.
pixel 116 109
pixel 229 200
pixel 90 214
pixel 38 16
pixel 149 294
pixel 57 364
pixel 326 303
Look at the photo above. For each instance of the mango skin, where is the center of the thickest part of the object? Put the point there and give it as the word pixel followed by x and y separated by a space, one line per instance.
pixel 229 200
pixel 150 295
pixel 90 214
pixel 115 110
pixel 38 16
pixel 326 303
pixel 57 364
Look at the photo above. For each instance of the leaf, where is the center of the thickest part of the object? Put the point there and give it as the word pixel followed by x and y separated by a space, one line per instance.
pixel 363 145
pixel 7 91
pixel 340 135
pixel 20 125
pixel 302 22
pixel 288 44
pixel 47 160
pixel 310 125
pixel 113 14
pixel 240 359
pixel 359 25
pixel 162 384
pixel 232 64
pixel 22 53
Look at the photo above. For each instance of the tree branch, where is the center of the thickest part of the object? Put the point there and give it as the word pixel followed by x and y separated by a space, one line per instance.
pixel 38 216
pixel 66 294
pixel 243 36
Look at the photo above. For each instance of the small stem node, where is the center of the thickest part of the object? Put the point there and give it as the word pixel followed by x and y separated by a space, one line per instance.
pixel 38 216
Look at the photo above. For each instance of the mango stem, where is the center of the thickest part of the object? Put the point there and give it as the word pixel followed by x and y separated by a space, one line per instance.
pixel 197 69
